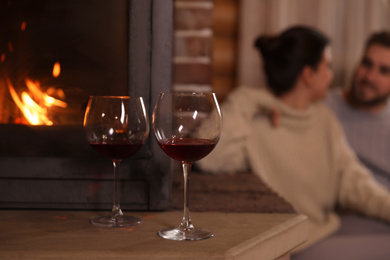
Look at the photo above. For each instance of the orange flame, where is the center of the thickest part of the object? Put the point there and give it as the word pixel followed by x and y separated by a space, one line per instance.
pixel 23 26
pixel 10 47
pixel 35 114
pixel 34 104
pixel 56 69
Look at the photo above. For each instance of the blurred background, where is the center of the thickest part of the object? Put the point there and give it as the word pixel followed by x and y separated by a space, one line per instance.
pixel 57 53
pixel 213 46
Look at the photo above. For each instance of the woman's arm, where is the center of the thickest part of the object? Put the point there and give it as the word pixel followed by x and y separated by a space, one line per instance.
pixel 237 111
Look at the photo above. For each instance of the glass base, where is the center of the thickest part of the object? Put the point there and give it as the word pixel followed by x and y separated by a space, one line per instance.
pixel 181 233
pixel 118 221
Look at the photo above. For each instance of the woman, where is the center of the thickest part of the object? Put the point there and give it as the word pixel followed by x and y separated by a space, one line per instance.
pixel 306 159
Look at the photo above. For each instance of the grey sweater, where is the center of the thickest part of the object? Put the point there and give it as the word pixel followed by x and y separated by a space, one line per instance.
pixel 367 134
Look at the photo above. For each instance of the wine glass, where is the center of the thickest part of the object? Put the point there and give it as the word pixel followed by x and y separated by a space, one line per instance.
pixel 187 126
pixel 116 127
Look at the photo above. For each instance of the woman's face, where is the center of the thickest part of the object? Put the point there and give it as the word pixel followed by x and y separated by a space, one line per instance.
pixel 322 76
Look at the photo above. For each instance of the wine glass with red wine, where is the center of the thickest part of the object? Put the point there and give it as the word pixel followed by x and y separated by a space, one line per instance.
pixel 187 126
pixel 116 127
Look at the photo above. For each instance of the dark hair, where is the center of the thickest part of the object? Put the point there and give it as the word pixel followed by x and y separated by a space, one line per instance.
pixel 286 55
pixel 380 38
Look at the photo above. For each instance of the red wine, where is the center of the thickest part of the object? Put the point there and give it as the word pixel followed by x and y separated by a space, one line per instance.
pixel 187 149
pixel 116 151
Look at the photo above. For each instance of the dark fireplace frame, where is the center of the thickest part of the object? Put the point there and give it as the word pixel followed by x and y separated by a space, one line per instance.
pixel 54 167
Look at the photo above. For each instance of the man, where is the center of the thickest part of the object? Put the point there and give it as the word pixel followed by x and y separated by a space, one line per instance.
pixel 364 113
pixel 364 109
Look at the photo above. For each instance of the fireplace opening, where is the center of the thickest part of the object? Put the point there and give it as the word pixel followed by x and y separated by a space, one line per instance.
pixel 53 56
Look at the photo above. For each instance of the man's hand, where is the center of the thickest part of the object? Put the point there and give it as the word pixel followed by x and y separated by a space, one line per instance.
pixel 274 116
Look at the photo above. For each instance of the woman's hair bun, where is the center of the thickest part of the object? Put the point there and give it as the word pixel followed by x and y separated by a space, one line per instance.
pixel 267 44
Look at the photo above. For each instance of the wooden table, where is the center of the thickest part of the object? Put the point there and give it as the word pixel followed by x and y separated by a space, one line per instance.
pixel 69 235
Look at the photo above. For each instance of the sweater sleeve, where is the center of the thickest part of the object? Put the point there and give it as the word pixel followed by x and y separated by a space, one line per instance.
pixel 238 110
pixel 358 190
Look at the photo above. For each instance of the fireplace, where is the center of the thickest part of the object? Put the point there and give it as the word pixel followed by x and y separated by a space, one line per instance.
pixel 53 56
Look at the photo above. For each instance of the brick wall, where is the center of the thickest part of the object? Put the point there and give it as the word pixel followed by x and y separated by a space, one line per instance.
pixel 224 46
pixel 204 45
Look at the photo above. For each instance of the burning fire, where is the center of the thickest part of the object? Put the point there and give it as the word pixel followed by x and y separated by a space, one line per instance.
pixel 23 27
pixel 56 69
pixel 34 104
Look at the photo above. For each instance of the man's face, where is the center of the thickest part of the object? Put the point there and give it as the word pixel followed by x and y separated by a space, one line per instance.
pixel 371 85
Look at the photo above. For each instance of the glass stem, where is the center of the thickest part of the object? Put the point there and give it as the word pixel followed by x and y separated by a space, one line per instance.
pixel 116 209
pixel 186 221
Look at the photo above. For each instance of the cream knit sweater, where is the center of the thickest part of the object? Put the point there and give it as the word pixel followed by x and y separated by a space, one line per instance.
pixel 306 159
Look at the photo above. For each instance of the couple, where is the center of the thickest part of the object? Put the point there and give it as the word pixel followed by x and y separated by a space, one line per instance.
pixel 306 158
